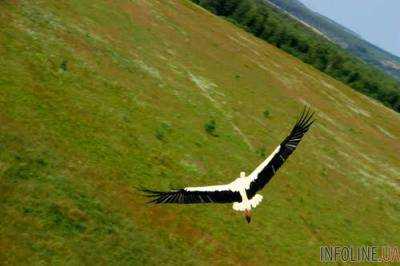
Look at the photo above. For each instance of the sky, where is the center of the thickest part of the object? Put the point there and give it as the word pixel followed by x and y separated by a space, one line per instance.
pixel 377 21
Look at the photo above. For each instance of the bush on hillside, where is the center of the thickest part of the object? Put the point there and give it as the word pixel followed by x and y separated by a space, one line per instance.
pixel 210 127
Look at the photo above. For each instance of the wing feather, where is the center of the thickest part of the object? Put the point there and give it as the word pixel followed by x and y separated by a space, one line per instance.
pixel 192 196
pixel 264 172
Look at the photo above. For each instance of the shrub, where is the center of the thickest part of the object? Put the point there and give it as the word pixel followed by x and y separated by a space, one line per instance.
pixel 162 131
pixel 210 127
pixel 64 65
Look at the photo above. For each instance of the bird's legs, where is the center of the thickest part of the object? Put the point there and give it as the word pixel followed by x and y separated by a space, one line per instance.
pixel 247 215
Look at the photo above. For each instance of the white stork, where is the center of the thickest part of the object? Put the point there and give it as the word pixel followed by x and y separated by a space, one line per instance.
pixel 242 191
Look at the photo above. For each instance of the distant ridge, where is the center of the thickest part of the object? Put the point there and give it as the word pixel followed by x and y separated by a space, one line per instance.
pixel 346 38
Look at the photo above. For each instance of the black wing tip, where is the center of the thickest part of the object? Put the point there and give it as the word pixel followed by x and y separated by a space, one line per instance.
pixel 302 125
pixel 306 118
pixel 152 194
pixel 157 197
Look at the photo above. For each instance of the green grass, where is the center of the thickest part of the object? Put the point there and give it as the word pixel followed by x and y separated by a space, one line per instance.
pixel 99 98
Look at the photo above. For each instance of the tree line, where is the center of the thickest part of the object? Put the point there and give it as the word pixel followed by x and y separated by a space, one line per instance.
pixel 269 24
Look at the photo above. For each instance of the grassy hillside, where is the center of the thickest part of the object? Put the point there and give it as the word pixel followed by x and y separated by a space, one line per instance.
pixel 98 97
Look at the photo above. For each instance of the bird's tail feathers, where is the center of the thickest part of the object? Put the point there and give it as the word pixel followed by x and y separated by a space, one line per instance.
pixel 252 203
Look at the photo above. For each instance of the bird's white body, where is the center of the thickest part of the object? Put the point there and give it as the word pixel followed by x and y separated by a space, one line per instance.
pixel 241 184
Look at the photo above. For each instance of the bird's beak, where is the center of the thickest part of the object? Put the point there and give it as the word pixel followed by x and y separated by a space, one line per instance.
pixel 247 214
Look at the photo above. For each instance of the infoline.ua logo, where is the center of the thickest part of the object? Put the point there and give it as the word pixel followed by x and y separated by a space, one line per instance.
pixel 386 254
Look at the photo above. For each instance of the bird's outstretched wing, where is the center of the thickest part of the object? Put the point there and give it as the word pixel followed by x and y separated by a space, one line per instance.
pixel 266 170
pixel 191 195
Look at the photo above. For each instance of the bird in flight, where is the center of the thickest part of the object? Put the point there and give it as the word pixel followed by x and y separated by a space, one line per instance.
pixel 242 191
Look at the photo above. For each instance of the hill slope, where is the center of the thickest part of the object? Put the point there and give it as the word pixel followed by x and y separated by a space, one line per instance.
pixel 346 38
pixel 98 98
pixel 281 29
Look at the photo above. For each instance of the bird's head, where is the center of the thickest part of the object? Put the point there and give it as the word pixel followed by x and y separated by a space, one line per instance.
pixel 242 174
pixel 247 215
